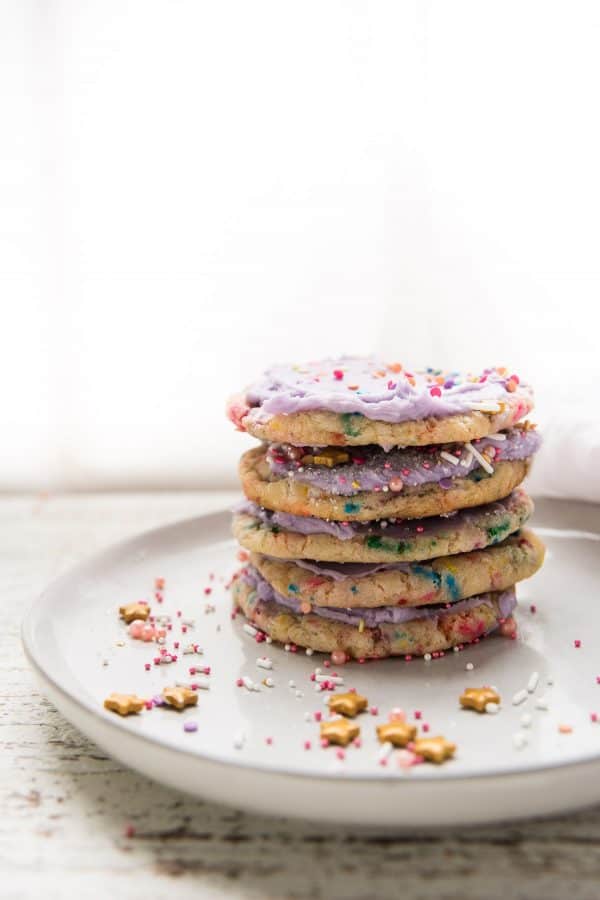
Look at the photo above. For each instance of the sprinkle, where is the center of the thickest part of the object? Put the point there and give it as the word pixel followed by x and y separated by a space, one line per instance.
pixel 250 629
pixel 190 725
pixel 519 697
pixel 469 667
pixel 248 683
pixel 565 729
pixel 480 458
pixel 307 745
pixel 268 682
pixel 519 740
pixel 541 703
pixel 427 657
pixel 533 608
pixel 239 740
pixel 269 741
pixel 577 644
pixel 338 374
pixel 593 717
pixel 291 684
pixel 526 720
pixel 492 708
pixel 449 457
pixel 435 391
pixel 309 651
pixel 497 436
pixel 466 460
pixel 263 662
pixel 384 752
pixel 334 679
pixel 533 682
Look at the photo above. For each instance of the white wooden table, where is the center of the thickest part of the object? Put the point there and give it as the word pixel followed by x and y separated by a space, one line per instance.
pixel 66 809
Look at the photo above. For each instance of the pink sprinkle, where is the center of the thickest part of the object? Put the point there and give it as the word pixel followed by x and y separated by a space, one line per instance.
pixel 269 741
pixel 577 644
pixel 179 613
pixel 176 644
pixel 192 670
pixel 374 710
pixel 338 374
pixel 205 670
pixel 327 664
pixel 307 745
pixel 184 629
pixel 418 713
pixel 357 742
pixel 147 667
pixel 420 529
pixel 207 590
pixel 324 743
pixel 239 682
pixel 190 726
pixel 594 717
pixel 597 679
pixel 383 762
pixel 313 676
pixel 318 716
pixel 425 727
pixel 148 704
pixel 435 391
pixel 340 754
pixel 129 831
pixel 533 608
pixel 407 658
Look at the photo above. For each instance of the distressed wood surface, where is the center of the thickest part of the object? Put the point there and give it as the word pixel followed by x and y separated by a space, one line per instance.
pixel 67 809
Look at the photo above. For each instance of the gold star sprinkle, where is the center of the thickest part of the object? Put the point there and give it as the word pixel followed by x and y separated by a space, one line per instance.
pixel 434 749
pixel 124 704
pixel 397 733
pixel 329 458
pixel 478 698
pixel 132 611
pixel 349 704
pixel 339 731
pixel 180 697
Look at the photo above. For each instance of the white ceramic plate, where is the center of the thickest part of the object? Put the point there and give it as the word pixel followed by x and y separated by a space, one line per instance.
pixel 81 652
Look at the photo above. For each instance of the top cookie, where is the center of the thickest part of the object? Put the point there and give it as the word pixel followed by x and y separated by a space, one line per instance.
pixel 353 401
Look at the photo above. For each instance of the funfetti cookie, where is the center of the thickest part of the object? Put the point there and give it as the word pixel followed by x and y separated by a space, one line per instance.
pixel 287 536
pixel 370 483
pixel 371 634
pixel 355 401
pixel 307 584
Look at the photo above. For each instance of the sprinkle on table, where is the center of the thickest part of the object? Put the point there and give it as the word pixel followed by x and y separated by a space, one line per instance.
pixel 124 704
pixel 479 698
pixel 349 704
pixel 180 697
pixel 434 749
pixel 397 733
pixel 131 611
pixel 339 731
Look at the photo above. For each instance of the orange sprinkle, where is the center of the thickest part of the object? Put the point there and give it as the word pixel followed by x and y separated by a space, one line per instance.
pixel 565 729
pixel 395 367
pixel 352 387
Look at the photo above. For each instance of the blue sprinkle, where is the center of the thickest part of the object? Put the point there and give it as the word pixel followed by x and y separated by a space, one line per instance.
pixel 452 586
pixel 351 507
pixel 293 588
pixel 425 572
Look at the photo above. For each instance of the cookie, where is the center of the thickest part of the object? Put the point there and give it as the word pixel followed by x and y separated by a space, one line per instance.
pixel 355 401
pixel 287 536
pixel 428 499
pixel 347 586
pixel 440 630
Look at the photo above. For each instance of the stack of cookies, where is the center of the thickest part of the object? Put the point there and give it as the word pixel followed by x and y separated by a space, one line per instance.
pixel 384 513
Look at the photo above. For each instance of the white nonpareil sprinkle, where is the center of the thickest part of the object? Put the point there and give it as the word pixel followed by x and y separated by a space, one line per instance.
pixel 526 720
pixel 268 682
pixel 449 457
pixel 307 717
pixel 263 662
pixel 385 750
pixel 533 682
pixel 497 436
pixel 427 657
pixel 286 648
pixel 238 740
pixel 519 740
pixel 291 683
pixel 520 697
pixel 299 694
pixel 480 458
pixel 492 708
pixel 541 703
pixel 309 651
pixel 469 667
pixel 268 640
pixel 250 629
pixel 318 671
pixel 455 650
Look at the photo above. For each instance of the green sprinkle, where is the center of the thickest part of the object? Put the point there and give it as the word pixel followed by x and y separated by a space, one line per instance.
pixel 497 532
pixel 354 589
pixel 350 425
pixel 376 543
pixel 351 507
pixel 293 588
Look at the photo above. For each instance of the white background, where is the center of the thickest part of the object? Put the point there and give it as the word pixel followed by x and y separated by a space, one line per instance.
pixel 191 190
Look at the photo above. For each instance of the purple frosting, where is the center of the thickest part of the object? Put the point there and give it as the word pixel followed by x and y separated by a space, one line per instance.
pixel 372 468
pixel 378 391
pixel 382 615
pixel 399 529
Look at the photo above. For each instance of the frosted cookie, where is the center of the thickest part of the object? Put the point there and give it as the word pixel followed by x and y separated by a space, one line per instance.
pixel 408 632
pixel 288 536
pixel 429 498
pixel 357 401
pixel 369 585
